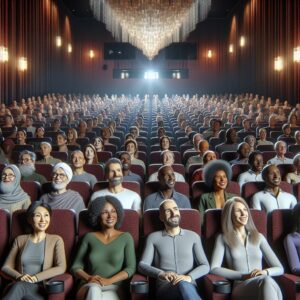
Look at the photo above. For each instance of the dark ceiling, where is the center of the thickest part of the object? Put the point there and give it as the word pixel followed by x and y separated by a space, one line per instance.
pixel 219 9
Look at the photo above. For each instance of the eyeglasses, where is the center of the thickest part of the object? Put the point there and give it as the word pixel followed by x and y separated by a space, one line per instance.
pixel 9 176
pixel 61 176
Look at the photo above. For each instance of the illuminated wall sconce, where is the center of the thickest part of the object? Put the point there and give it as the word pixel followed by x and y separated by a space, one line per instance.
pixel 278 63
pixel 209 54
pixel 176 75
pixel 3 54
pixel 58 41
pixel 22 64
pixel 69 48
pixel 91 54
pixel 297 54
pixel 231 48
pixel 124 75
pixel 242 41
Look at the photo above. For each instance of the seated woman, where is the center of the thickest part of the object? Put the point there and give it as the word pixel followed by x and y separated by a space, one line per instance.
pixel 98 144
pixel 72 136
pixel 294 177
pixel 105 257
pixel 132 148
pixel 217 175
pixel 21 137
pixel 292 243
pixel 90 154
pixel 164 143
pixel 243 247
pixel 12 196
pixel 34 257
pixel 40 132
pixel 61 142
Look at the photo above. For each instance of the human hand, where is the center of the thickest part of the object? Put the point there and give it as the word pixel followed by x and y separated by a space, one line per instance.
pixel 28 278
pixel 168 276
pixel 258 272
pixel 179 278
pixel 95 279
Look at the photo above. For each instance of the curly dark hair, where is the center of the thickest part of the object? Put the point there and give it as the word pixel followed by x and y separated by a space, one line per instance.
pixel 96 207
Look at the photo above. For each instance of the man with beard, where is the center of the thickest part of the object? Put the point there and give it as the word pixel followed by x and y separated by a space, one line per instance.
pixel 272 197
pixel 78 162
pixel 114 175
pixel 125 159
pixel 26 166
pixel 60 197
pixel 166 179
pixel 177 256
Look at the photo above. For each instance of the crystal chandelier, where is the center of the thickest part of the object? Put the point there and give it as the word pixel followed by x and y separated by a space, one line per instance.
pixel 150 25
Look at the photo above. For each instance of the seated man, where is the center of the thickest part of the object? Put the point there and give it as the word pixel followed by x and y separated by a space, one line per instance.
pixel 243 152
pixel 196 139
pixel 26 166
pixel 45 150
pixel 125 159
pixel 166 178
pixel 280 148
pixel 203 146
pixel 78 162
pixel 167 159
pixel 286 131
pixel 60 197
pixel 254 173
pixel 177 256
pixel 272 197
pixel 114 175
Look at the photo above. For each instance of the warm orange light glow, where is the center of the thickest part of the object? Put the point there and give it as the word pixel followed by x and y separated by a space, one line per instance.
pixel 278 63
pixel 3 54
pixel 209 53
pixel 22 64
pixel 58 41
pixel 297 54
pixel 242 41
pixel 70 48
pixel 231 48
pixel 92 54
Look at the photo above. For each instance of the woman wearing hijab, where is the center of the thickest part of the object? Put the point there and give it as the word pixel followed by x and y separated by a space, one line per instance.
pixel 12 196
pixel 61 197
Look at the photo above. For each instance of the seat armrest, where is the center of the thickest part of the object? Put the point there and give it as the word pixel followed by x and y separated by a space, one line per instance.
pixel 287 282
pixel 209 288
pixel 136 296
pixel 67 278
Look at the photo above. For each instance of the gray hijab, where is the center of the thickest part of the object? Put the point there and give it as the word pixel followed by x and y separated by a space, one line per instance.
pixel 17 194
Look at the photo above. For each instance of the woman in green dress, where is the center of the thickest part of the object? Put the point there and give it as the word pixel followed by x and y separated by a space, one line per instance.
pixel 106 257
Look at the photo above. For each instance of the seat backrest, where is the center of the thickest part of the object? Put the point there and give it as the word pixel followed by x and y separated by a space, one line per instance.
pixel 96 170
pixel 190 219
pixel 263 148
pixel 111 148
pixel 237 169
pixel 130 224
pixel 294 148
pixel 4 234
pixel 104 156
pixel 179 168
pixel 280 224
pixel 155 157
pixel 45 170
pixel 285 169
pixel 212 226
pixel 229 155
pixel 63 156
pixel 32 188
pixel 63 223
pixel 153 186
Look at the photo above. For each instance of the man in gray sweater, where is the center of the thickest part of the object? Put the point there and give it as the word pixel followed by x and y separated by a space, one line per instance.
pixel 177 255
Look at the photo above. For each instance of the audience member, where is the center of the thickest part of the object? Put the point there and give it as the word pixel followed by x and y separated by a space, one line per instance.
pixel 90 154
pixel 280 148
pixel 243 151
pixel 45 151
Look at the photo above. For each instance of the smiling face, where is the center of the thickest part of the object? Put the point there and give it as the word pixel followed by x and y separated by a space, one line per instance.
pixel 21 136
pixel 59 179
pixel 166 178
pixel 40 219
pixel 60 140
pixel 108 216
pixel 8 175
pixel 273 177
pixel 89 153
pixel 165 144
pixel 239 215
pixel 170 214
pixel 115 174
pixel 220 180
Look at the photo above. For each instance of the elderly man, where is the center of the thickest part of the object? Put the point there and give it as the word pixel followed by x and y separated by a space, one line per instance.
pixel 26 166
pixel 272 197
pixel 174 256
pixel 125 159
pixel 45 150
pixel 114 175
pixel 203 146
pixel 60 197
pixel 166 178
pixel 243 151
pixel 78 162
pixel 167 159
pixel 280 148
pixel 196 139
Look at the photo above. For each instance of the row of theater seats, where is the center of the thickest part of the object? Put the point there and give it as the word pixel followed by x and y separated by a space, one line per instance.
pixel 63 223
pixel 34 189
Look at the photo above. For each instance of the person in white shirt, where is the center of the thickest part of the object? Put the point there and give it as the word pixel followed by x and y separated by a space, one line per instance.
pixel 280 148
pixel 272 197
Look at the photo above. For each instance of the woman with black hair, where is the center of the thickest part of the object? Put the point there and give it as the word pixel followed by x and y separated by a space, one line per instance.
pixel 106 257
